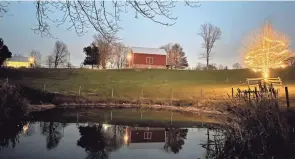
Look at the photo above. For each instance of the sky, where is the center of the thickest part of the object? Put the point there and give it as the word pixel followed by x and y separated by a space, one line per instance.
pixel 235 19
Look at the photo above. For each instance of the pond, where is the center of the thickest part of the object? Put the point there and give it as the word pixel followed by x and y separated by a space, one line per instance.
pixel 101 139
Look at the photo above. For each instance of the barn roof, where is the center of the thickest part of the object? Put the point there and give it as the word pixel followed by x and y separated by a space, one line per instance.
pixel 144 50
pixel 19 59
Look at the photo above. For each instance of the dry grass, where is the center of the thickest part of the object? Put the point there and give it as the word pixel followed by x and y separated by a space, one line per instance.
pixel 256 129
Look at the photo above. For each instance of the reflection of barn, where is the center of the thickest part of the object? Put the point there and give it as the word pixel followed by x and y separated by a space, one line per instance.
pixel 145 137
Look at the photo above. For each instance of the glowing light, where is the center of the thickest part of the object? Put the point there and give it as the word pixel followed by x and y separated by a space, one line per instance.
pixel 129 57
pixel 265 75
pixel 31 59
pixel 126 138
pixel 265 50
pixel 25 128
pixel 105 126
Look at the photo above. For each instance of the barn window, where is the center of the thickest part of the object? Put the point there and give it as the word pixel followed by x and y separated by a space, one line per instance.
pixel 149 60
pixel 147 135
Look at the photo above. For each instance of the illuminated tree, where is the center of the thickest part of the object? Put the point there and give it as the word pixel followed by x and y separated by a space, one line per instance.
pixel 265 50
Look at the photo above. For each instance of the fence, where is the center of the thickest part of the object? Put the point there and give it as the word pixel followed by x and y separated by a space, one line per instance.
pixel 163 95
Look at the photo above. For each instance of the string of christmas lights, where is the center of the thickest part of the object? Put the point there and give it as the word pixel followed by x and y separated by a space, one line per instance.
pixel 266 50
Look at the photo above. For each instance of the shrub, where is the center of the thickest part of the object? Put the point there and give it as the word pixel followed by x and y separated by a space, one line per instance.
pixel 256 130
pixel 12 104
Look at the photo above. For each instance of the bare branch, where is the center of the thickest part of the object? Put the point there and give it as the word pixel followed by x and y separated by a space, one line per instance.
pixel 210 34
pixel 37 58
pixel 104 45
pixel 60 54
pixel 175 56
pixel 3 8
pixel 103 15
pixel 194 4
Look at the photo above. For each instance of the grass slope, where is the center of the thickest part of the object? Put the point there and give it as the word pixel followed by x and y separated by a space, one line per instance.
pixel 134 84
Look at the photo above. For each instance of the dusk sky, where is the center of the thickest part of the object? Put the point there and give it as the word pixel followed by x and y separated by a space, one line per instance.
pixel 235 19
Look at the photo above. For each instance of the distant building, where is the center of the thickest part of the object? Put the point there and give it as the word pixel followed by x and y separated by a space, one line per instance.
pixel 140 57
pixel 145 137
pixel 19 62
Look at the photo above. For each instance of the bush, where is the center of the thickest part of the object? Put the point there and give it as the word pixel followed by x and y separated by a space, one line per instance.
pixel 12 105
pixel 256 130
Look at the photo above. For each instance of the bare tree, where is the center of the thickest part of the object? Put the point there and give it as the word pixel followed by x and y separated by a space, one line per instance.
pixel 119 56
pixel 200 66
pixel 49 61
pixel 237 66
pixel 103 16
pixel 210 34
pixel 37 58
pixel 60 54
pixel 221 67
pixel 69 65
pixel 3 8
pixel 105 46
pixel 175 55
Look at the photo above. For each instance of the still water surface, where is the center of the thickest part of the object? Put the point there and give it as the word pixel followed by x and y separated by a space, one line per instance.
pixel 95 140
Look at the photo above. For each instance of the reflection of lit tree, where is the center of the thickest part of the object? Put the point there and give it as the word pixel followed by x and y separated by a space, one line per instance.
pixel 98 142
pixel 52 131
pixel 175 139
pixel 265 50
pixel 29 129
pixel 9 133
pixel 214 144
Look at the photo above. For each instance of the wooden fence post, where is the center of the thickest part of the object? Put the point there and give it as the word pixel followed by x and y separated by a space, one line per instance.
pixel 80 90
pixel 287 97
pixel 142 92
pixel 112 92
pixel 278 99
pixel 232 92
pixel 111 115
pixel 171 95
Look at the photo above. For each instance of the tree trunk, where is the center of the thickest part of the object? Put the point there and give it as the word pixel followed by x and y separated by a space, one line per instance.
pixel 92 66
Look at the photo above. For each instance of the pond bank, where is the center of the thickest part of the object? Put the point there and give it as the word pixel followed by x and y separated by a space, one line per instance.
pixel 90 111
pixel 184 109
pixel 41 100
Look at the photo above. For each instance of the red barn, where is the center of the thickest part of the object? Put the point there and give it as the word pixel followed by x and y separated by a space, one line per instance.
pixel 140 57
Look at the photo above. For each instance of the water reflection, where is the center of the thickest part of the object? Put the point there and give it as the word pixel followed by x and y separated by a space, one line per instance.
pixel 96 140
pixel 100 139
pixel 169 139
pixel 53 133
pixel 175 139
pixel 9 134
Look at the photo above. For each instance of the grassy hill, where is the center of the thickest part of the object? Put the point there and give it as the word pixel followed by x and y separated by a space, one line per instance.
pixel 131 84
